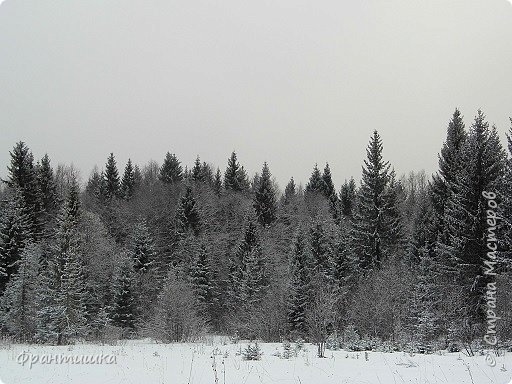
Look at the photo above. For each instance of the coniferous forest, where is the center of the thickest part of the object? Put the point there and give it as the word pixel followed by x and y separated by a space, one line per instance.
pixel 174 251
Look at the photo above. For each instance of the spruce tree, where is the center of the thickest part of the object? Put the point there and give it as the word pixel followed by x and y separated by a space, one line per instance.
pixel 18 305
pixel 506 205
pixel 143 248
pixel 348 198
pixel 128 182
pixel 465 213
pixel 290 191
pixel 444 183
pixel 217 182
pixel 15 233
pixel 171 170
pixel 327 184
pixel 265 203
pixel 47 186
pixel 299 291
pixel 197 171
pixel 372 232
pixel 94 185
pixel 202 281
pixel 235 177
pixel 124 307
pixel 112 184
pixel 22 176
pixel 316 183
pixel 319 248
pixel 187 215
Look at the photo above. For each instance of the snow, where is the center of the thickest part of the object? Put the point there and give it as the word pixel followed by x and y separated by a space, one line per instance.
pixel 147 362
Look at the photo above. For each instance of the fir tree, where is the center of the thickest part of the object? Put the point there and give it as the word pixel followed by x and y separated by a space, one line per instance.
pixel 348 197
pixel 95 184
pixel 316 183
pixel 47 186
pixel 235 177
pixel 217 182
pixel 506 206
pixel 112 184
pixel 319 248
pixel 128 182
pixel 265 199
pixel 124 307
pixel 22 176
pixel 300 270
pixel 290 192
pixel 15 233
pixel 372 228
pixel 327 184
pixel 171 170
pixel 197 171
pixel 18 305
pixel 143 248
pixel 187 215
pixel 465 212
pixel 202 281
pixel 444 183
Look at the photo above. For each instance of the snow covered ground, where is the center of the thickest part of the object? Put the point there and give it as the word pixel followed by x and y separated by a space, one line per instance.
pixel 147 362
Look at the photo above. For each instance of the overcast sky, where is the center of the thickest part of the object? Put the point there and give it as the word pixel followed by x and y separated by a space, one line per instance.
pixel 290 82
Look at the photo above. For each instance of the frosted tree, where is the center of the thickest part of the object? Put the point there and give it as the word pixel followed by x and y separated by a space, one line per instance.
pixel 265 203
pixel 348 198
pixel 316 183
pixel 15 233
pixel 235 177
pixel 171 170
pixel 18 305
pixel 187 215
pixel 124 304
pixel 111 181
pixel 372 227
pixel 128 182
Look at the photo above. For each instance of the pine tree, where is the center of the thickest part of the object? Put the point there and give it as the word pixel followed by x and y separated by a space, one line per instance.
pixel 112 184
pixel 235 177
pixel 187 215
pixel 319 248
pixel 372 228
pixel 265 203
pixel 316 183
pixel 197 171
pixel 15 233
pixel 300 271
pixel 171 170
pixel 128 182
pixel 348 198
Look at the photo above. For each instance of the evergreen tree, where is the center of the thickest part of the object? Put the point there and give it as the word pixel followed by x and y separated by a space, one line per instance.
pixel 316 183
pixel 290 192
pixel 265 199
pixel 95 184
pixel 47 186
pixel 202 281
pixel 171 170
pixel 18 305
pixel 217 182
pixel 247 276
pixel 124 307
pixel 143 248
pixel 319 247
pixel 327 184
pixel 506 206
pixel 128 182
pixel 22 175
pixel 465 213
pixel 298 299
pixel 15 233
pixel 187 215
pixel 444 183
pixel 235 177
pixel 348 197
pixel 197 171
pixel 112 184
pixel 373 231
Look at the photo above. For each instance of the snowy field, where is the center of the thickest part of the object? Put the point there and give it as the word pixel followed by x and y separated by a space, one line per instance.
pixel 219 363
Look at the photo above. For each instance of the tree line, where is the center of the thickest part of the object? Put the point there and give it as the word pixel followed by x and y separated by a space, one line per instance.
pixel 172 252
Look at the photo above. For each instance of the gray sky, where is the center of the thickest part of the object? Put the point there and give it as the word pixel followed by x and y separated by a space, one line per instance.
pixel 292 82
